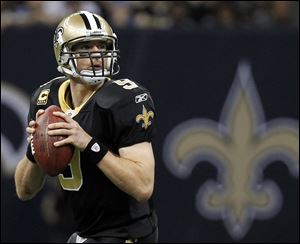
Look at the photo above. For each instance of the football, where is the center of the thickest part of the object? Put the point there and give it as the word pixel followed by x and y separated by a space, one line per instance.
pixel 52 160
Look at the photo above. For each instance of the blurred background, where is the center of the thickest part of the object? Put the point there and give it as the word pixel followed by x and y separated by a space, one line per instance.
pixel 201 61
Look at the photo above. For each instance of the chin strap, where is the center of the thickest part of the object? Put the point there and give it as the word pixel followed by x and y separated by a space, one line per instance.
pixel 93 81
pixel 84 79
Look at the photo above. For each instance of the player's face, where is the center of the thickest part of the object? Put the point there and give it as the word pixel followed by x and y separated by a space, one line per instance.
pixel 87 63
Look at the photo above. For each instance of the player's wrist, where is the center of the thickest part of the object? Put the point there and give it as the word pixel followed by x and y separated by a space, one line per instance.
pixel 94 151
pixel 83 145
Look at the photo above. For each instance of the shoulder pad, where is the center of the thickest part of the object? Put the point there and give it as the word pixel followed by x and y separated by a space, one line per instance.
pixel 43 90
pixel 118 91
pixel 55 80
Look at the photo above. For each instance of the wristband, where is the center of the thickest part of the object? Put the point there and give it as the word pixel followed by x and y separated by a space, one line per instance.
pixel 94 151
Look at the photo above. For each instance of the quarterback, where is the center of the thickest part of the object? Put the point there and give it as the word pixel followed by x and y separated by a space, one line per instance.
pixel 111 122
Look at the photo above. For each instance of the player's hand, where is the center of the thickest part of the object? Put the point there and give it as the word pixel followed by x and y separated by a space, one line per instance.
pixel 70 128
pixel 30 129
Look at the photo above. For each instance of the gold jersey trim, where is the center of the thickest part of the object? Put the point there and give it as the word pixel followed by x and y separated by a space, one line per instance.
pixel 63 103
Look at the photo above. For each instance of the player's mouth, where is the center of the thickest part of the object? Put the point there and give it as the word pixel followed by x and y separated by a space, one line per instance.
pixel 96 67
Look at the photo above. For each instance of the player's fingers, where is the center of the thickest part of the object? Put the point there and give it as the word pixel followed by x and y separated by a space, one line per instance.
pixel 30 130
pixel 61 143
pixel 59 132
pixel 59 125
pixel 39 112
pixel 32 123
pixel 62 115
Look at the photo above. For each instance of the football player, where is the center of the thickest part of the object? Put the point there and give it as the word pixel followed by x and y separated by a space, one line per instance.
pixel 109 183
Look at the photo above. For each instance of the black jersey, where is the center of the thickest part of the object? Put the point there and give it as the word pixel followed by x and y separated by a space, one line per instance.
pixel 121 113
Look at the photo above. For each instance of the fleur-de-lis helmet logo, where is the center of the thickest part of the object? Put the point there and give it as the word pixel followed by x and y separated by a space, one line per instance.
pixel 241 145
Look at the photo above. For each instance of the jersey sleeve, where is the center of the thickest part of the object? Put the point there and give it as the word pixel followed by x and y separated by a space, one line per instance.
pixel 32 108
pixel 31 116
pixel 134 120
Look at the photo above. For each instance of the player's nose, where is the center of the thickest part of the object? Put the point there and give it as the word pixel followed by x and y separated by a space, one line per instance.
pixel 95 48
pixel 97 54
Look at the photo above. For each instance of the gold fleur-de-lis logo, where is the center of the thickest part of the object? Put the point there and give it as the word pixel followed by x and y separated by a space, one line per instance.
pixel 145 117
pixel 241 145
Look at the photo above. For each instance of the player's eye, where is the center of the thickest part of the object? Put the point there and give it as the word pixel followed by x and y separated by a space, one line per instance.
pixel 102 46
pixel 85 47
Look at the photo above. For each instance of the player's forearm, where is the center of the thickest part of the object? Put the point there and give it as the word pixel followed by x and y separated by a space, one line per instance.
pixel 129 176
pixel 29 179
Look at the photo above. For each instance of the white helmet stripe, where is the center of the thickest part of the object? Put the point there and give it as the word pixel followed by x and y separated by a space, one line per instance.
pixel 91 19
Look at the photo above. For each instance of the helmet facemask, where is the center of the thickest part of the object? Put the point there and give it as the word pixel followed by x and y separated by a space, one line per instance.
pixel 109 60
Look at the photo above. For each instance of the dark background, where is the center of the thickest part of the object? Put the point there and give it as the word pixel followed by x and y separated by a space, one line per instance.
pixel 189 74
